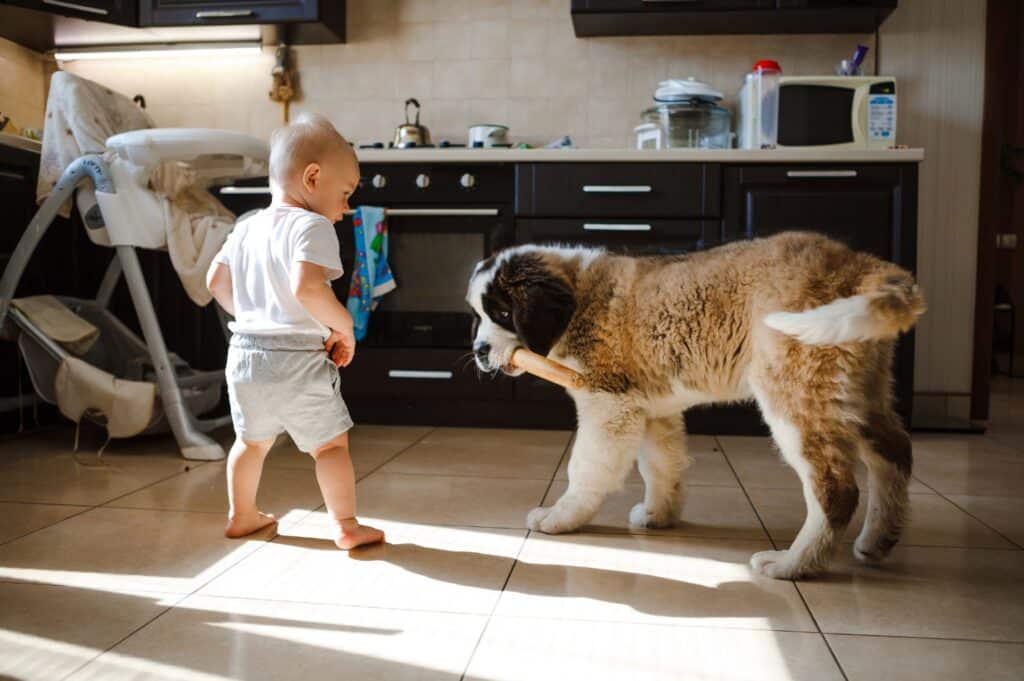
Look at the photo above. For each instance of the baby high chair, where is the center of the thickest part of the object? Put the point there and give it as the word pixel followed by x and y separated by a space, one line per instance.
pixel 79 355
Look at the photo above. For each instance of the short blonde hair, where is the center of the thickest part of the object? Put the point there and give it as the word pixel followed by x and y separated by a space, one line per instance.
pixel 305 140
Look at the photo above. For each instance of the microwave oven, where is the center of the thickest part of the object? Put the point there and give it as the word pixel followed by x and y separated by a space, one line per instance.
pixel 837 112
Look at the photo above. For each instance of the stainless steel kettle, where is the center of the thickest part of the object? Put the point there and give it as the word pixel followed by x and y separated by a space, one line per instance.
pixel 411 134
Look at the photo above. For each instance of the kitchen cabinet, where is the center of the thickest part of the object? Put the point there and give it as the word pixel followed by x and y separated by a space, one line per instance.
pixel 305 21
pixel 422 374
pixel 871 208
pixel 675 17
pixel 124 12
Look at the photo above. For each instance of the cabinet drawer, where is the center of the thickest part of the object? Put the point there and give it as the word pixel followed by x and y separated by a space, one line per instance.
pixel 667 5
pixel 688 190
pixel 419 373
pixel 634 237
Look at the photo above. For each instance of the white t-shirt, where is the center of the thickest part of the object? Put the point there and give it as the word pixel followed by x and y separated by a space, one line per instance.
pixel 260 252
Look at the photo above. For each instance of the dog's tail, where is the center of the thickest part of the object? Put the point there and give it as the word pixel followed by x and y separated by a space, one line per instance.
pixel 887 303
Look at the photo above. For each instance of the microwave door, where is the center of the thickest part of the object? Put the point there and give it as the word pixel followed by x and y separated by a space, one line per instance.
pixel 815 115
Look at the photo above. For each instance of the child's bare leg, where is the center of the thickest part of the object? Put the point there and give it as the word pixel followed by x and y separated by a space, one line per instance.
pixel 245 465
pixel 338 485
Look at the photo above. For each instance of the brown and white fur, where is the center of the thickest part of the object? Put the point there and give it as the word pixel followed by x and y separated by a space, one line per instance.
pixel 797 322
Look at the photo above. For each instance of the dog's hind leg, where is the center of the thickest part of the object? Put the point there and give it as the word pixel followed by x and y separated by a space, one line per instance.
pixel 606 446
pixel 886 451
pixel 662 462
pixel 822 452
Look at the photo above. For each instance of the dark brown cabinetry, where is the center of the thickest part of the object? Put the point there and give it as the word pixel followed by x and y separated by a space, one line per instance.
pixel 871 208
pixel 670 17
pixel 125 12
pixel 307 21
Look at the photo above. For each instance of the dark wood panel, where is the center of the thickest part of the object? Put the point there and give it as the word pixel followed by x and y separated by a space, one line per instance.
pixel 125 12
pixel 617 190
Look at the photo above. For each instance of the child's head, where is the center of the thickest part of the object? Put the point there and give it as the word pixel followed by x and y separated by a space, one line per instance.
pixel 312 164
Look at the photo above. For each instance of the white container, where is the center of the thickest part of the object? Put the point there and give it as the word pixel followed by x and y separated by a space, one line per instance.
pixel 759 107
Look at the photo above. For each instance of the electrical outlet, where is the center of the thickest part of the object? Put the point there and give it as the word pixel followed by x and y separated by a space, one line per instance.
pixel 1006 241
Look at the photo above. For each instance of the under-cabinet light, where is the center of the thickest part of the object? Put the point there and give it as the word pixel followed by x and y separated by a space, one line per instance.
pixel 145 50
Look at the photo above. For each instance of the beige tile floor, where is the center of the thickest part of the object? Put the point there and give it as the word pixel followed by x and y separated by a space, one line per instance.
pixel 120 571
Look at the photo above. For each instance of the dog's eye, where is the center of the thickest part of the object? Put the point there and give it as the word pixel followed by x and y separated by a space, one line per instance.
pixel 505 314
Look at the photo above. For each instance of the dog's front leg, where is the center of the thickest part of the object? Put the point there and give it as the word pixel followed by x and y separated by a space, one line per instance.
pixel 605 448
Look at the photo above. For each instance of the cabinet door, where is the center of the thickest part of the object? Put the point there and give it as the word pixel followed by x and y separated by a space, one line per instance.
pixel 871 208
pixel 219 12
pixel 110 11
pixel 865 207
pixel 667 5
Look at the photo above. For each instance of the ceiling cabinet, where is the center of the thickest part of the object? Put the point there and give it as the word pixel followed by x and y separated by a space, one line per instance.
pixel 678 17
pixel 124 12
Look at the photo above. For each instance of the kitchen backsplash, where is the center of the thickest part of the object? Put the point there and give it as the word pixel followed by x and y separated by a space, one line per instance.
pixel 22 85
pixel 467 61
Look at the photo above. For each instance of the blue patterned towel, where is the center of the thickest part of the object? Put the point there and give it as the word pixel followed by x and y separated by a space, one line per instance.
pixel 371 274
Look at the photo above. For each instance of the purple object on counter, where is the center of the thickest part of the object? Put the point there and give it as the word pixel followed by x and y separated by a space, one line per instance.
pixel 858 59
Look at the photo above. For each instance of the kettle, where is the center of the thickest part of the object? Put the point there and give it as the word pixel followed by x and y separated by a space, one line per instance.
pixel 411 134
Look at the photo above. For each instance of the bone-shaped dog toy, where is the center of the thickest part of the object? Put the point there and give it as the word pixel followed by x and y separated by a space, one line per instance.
pixel 542 367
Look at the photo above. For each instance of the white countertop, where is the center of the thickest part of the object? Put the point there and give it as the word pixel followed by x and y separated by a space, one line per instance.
pixel 20 142
pixel 461 155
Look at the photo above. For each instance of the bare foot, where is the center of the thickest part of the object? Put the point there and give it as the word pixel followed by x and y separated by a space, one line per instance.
pixel 351 534
pixel 241 525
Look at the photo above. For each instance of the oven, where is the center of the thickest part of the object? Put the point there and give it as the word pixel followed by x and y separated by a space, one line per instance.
pixel 443 218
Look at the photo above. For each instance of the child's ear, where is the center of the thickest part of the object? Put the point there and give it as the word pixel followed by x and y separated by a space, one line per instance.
pixel 310 176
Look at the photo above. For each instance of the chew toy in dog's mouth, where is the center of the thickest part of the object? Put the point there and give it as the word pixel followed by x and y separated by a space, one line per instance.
pixel 542 367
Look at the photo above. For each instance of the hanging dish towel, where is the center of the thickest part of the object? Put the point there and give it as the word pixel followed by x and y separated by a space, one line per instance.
pixel 371 274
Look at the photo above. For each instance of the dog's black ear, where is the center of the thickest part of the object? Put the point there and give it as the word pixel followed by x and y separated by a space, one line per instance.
pixel 542 311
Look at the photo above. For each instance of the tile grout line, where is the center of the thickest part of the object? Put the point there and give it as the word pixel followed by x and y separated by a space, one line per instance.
pixel 775 547
pixel 212 577
pixel 969 514
pixel 91 507
pixel 122 639
pixel 515 561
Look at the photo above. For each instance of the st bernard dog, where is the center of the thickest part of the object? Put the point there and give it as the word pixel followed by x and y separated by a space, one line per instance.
pixel 797 322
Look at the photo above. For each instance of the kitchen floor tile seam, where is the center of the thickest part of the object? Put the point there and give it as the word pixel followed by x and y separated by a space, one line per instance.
pixel 124 638
pixel 84 509
pixel 457 475
pixel 396 454
pixel 775 546
pixel 968 513
pixel 957 639
pixel 566 451
pixel 656 623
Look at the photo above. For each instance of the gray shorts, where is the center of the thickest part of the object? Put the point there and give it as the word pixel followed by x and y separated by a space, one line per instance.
pixel 285 384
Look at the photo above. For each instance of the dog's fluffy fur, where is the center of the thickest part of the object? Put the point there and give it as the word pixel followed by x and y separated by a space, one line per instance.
pixel 797 322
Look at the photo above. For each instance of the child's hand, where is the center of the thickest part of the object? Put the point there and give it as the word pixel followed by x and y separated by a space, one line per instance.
pixel 341 347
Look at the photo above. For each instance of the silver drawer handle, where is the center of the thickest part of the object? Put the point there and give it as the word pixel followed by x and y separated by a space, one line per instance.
pixel 441 212
pixel 75 5
pixel 617 188
pixel 821 173
pixel 599 227
pixel 232 189
pixel 12 176
pixel 224 13
pixel 410 373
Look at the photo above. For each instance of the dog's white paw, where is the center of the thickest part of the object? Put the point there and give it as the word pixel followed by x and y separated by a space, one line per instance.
pixel 640 516
pixel 549 520
pixel 774 564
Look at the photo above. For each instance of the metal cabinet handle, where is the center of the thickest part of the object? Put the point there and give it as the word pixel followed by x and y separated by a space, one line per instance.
pixel 224 13
pixel 233 189
pixel 411 373
pixel 7 174
pixel 617 188
pixel 605 227
pixel 821 173
pixel 75 5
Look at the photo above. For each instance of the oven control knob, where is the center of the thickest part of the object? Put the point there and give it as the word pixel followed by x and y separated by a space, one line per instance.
pixel 467 181
pixel 379 181
pixel 422 181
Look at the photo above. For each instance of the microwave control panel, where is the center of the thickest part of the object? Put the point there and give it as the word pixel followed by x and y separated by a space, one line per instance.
pixel 882 112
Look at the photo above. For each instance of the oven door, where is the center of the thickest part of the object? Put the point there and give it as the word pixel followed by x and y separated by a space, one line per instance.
pixel 432 253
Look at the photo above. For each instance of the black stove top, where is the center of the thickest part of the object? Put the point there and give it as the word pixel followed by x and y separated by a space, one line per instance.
pixel 443 144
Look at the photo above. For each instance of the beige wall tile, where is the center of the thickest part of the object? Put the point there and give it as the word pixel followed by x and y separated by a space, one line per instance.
pixel 23 85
